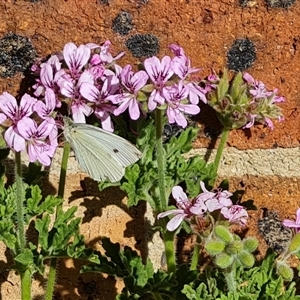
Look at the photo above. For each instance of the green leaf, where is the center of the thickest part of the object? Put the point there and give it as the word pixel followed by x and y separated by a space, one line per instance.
pixel 223 260
pixel 223 234
pixel 9 239
pixel 49 204
pixel 34 200
pixel 236 86
pixel 63 217
pixel 223 85
pixel 234 247
pixel 250 244
pixel 284 270
pixel 214 247
pixel 246 259
pixel 64 233
pixel 25 258
pixel 295 244
pixel 42 226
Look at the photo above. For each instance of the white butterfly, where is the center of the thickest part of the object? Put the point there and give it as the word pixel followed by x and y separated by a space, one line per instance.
pixel 103 155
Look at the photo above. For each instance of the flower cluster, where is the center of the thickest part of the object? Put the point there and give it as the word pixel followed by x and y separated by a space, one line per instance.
pixel 92 82
pixel 243 101
pixel 86 80
pixel 205 203
pixel 40 138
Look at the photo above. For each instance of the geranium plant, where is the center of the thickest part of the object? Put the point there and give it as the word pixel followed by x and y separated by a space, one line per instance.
pixel 87 84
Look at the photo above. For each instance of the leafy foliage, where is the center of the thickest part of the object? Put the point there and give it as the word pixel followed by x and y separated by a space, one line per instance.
pixel 62 239
pixel 142 282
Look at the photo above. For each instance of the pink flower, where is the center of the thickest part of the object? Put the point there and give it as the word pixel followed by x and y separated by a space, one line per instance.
pixel 101 98
pixel 293 224
pixel 76 57
pixel 235 214
pixel 45 109
pixel 183 211
pixel 177 50
pixel 252 120
pixel 50 73
pixel 12 114
pixel 196 92
pixel 132 82
pixel 159 73
pixel 215 200
pixel 38 146
pixel 259 89
pixel 175 97
pixel 71 88
pixel 105 55
pixel 181 65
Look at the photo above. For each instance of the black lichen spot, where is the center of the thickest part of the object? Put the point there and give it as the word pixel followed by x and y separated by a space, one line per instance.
pixel 241 55
pixel 105 2
pixel 274 233
pixel 248 3
pixel 16 54
pixel 280 3
pixel 122 24
pixel 143 45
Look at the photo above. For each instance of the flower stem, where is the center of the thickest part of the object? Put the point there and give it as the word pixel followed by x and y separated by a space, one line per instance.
pixel 195 257
pixel 61 191
pixel 163 201
pixel 170 250
pixel 63 171
pixel 26 285
pixel 20 204
pixel 162 204
pixel 222 144
pixel 51 279
pixel 25 275
pixel 231 279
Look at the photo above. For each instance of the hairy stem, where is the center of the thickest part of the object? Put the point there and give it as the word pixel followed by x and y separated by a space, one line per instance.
pixel 20 205
pixel 231 278
pixel 26 285
pixel 162 205
pixel 222 144
pixel 51 279
pixel 61 191
pixel 170 250
pixel 25 275
pixel 63 170
pixel 195 257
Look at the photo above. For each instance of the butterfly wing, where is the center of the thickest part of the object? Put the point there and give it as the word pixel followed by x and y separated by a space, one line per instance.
pixel 101 154
pixel 120 149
